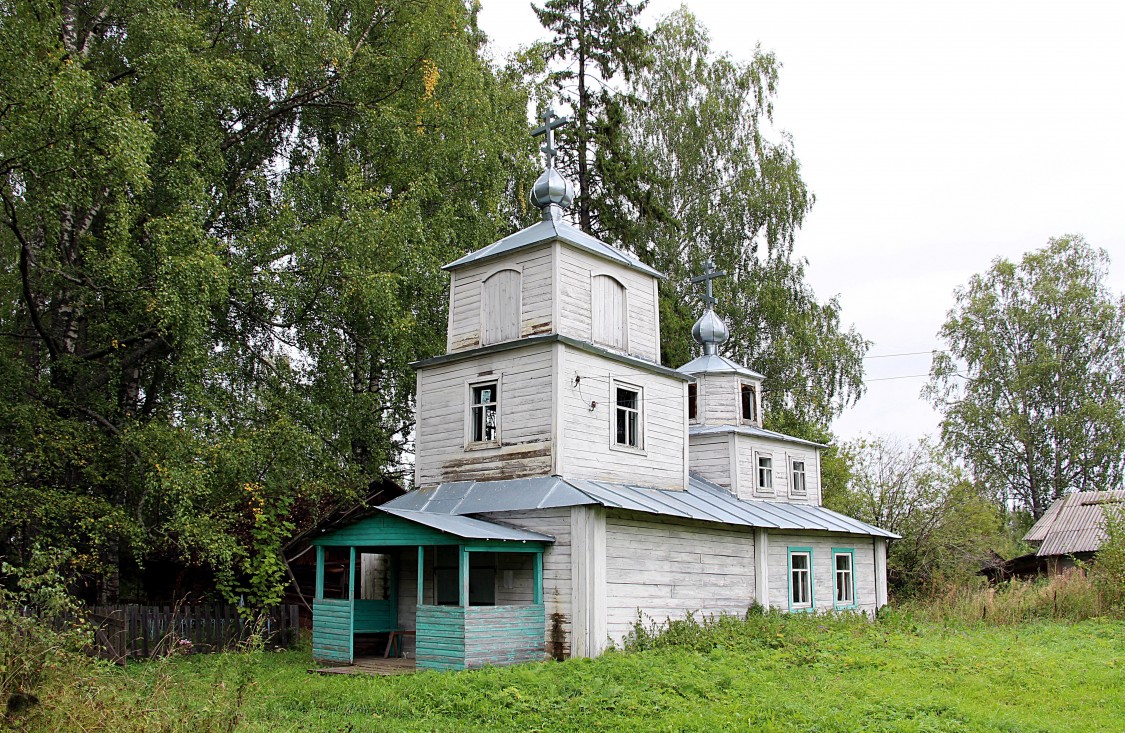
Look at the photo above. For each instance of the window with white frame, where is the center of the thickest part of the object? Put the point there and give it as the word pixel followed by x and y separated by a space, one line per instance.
pixel 627 428
pixel 800 578
pixel 765 473
pixel 797 483
pixel 484 404
pixel 843 581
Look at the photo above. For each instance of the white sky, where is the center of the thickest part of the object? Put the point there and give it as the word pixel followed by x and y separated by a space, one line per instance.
pixel 936 138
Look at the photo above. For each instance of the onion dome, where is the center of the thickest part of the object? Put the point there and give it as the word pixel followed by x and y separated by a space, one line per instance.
pixel 552 190
pixel 710 331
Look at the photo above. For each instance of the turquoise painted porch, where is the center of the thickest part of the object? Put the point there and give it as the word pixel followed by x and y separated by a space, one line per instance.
pixel 446 637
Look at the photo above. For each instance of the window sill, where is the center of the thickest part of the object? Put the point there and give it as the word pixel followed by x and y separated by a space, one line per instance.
pixel 802 609
pixel 483 445
pixel 628 449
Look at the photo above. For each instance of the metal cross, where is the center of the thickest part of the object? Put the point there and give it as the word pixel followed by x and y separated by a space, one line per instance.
pixel 709 274
pixel 551 121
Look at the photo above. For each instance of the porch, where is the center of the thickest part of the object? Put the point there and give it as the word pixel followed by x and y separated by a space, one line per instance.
pixel 453 592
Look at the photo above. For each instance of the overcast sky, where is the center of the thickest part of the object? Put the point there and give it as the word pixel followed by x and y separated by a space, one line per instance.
pixel 936 138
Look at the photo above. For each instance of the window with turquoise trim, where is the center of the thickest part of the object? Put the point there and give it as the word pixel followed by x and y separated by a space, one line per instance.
pixel 800 578
pixel 843 577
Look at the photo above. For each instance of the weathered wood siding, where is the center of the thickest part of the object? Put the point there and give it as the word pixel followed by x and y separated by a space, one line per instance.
pixel 526 386
pixel 502 635
pixel 782 453
pixel 587 449
pixel 719 399
pixel 535 294
pixel 452 637
pixel 668 568
pixel 822 544
pixel 577 270
pixel 372 616
pixel 557 573
pixel 332 630
pixel 440 637
pixel 710 457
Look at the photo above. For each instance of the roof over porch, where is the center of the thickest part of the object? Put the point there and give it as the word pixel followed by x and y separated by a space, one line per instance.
pixel 393 527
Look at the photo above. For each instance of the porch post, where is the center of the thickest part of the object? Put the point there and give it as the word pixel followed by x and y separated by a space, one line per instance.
pixel 538 583
pixel 421 571
pixel 319 572
pixel 394 589
pixel 351 573
pixel 463 566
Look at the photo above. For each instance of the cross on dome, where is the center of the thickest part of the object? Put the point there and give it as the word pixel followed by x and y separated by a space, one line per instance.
pixel 709 331
pixel 551 122
pixel 551 193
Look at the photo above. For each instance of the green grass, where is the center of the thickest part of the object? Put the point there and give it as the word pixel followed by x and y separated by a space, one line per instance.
pixel 766 674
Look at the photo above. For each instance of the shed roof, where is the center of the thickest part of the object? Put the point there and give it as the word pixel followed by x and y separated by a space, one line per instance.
pixel 752 430
pixel 1073 523
pixel 702 500
pixel 547 231
pixel 391 526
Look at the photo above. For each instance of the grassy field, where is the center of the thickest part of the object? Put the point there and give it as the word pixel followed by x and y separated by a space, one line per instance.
pixel 765 674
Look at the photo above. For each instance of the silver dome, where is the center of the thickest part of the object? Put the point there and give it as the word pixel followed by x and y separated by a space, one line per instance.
pixel 710 331
pixel 552 188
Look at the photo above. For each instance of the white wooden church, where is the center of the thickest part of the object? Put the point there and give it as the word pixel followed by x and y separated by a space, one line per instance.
pixel 567 483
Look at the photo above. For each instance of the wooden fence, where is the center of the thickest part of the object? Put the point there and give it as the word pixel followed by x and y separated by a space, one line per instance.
pixel 142 632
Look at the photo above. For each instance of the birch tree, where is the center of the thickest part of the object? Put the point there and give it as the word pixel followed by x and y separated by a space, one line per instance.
pixel 1032 384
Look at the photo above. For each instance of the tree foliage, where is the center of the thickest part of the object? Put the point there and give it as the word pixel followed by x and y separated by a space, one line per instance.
pixel 947 526
pixel 1031 387
pixel 594 41
pixel 721 190
pixel 222 226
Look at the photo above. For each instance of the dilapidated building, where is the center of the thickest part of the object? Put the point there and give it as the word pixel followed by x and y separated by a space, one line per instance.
pixel 566 483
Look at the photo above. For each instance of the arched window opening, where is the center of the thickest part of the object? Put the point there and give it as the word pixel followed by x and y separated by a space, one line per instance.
pixel 609 316
pixel 500 307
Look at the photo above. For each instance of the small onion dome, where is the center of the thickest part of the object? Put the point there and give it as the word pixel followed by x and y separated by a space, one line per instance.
pixel 552 188
pixel 710 331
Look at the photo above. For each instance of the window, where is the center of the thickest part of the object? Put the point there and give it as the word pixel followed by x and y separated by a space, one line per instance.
pixel 749 402
pixel 765 473
pixel 797 485
pixel 483 423
pixel 500 307
pixel 693 401
pixel 627 417
pixel 843 581
pixel 800 578
pixel 609 314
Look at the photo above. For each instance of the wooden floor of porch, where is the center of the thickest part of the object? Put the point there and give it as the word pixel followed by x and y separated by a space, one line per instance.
pixel 374 666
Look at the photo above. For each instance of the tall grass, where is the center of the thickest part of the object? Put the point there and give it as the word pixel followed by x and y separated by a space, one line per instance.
pixel 1069 596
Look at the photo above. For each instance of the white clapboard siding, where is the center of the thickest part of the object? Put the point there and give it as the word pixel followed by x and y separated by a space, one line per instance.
pixel 718 399
pixel 525 414
pixel 668 568
pixel 500 307
pixel 577 273
pixel 709 456
pixel 748 447
pixel 587 450
pixel 557 588
pixel 535 267
pixel 822 544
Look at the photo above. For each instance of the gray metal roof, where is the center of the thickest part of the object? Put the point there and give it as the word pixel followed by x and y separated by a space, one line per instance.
pixel 715 364
pixel 1074 523
pixel 523 343
pixel 467 527
pixel 547 231
pixel 751 430
pixel 702 500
